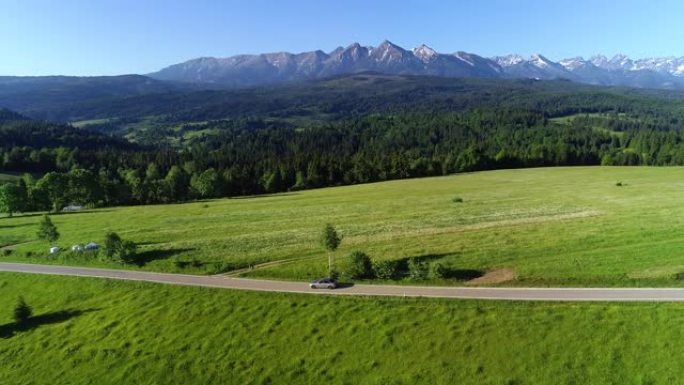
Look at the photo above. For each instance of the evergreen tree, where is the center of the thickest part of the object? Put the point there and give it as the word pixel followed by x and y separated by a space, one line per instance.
pixel 22 311
pixel 47 230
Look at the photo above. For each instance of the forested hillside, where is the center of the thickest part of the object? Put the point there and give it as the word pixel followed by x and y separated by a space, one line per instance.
pixel 350 130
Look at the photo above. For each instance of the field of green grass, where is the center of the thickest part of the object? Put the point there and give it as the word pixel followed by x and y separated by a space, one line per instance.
pixel 568 120
pixel 550 226
pixel 91 331
pixel 5 177
pixel 83 123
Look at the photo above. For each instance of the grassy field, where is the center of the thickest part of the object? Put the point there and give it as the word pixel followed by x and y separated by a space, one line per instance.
pixel 83 123
pixel 91 331
pixel 4 177
pixel 606 117
pixel 553 226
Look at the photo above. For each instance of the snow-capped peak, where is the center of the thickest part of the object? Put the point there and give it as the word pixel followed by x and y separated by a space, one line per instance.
pixel 621 61
pixel 574 63
pixel 539 61
pixel 599 60
pixel 424 53
pixel 651 72
pixel 509 60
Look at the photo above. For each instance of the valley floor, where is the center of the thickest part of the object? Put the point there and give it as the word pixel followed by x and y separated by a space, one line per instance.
pixel 544 227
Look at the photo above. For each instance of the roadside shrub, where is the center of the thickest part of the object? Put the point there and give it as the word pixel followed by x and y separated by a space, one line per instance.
pixel 112 243
pixel 220 267
pixel 359 266
pixel 619 184
pixel 457 200
pixel 418 270
pixel 385 269
pixel 334 274
pixel 127 252
pixel 119 249
pixel 6 252
pixel 91 254
pixel 22 311
pixel 438 271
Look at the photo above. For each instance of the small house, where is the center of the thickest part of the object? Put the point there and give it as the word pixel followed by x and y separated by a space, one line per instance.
pixel 76 248
pixel 72 208
pixel 92 246
pixel 54 250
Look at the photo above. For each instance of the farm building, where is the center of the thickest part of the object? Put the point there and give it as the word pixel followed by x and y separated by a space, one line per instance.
pixel 72 208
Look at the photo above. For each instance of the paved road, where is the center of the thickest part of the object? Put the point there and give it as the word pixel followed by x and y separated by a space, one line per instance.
pixel 524 294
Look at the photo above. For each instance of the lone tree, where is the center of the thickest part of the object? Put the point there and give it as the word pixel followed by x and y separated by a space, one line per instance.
pixel 22 311
pixel 47 230
pixel 331 241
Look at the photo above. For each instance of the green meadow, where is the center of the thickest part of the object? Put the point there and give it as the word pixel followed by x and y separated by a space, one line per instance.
pixel 550 226
pixel 92 331
pixel 4 177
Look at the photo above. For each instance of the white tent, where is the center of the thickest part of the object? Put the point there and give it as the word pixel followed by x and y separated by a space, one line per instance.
pixel 92 246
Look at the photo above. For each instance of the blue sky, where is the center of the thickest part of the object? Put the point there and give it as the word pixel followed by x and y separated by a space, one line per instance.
pixel 105 37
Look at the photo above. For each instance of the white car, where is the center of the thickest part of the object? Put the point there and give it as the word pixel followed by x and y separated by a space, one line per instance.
pixel 323 283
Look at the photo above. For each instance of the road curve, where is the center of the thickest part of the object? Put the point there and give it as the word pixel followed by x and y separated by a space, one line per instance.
pixel 499 293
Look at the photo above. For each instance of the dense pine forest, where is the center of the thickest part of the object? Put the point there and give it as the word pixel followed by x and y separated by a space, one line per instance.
pixel 174 147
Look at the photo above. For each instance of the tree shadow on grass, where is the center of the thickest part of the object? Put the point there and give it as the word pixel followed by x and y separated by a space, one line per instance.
pixel 402 264
pixel 59 213
pixel 10 329
pixel 4 226
pixel 148 243
pixel 145 257
pixel 463 274
pixel 344 285
pixel 276 195
pixel 450 273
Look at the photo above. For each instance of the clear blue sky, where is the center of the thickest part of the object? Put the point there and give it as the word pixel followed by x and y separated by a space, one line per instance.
pixel 93 37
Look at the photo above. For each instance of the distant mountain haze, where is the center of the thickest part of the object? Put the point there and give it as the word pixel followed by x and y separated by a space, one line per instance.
pixel 49 96
pixel 389 58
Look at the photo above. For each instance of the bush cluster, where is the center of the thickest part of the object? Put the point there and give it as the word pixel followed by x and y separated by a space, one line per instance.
pixel 385 269
pixel 360 266
pixel 119 249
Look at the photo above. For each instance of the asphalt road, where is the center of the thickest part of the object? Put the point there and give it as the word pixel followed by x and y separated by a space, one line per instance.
pixel 500 293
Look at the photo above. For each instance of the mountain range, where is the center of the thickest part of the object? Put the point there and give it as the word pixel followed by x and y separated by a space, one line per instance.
pixel 389 58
